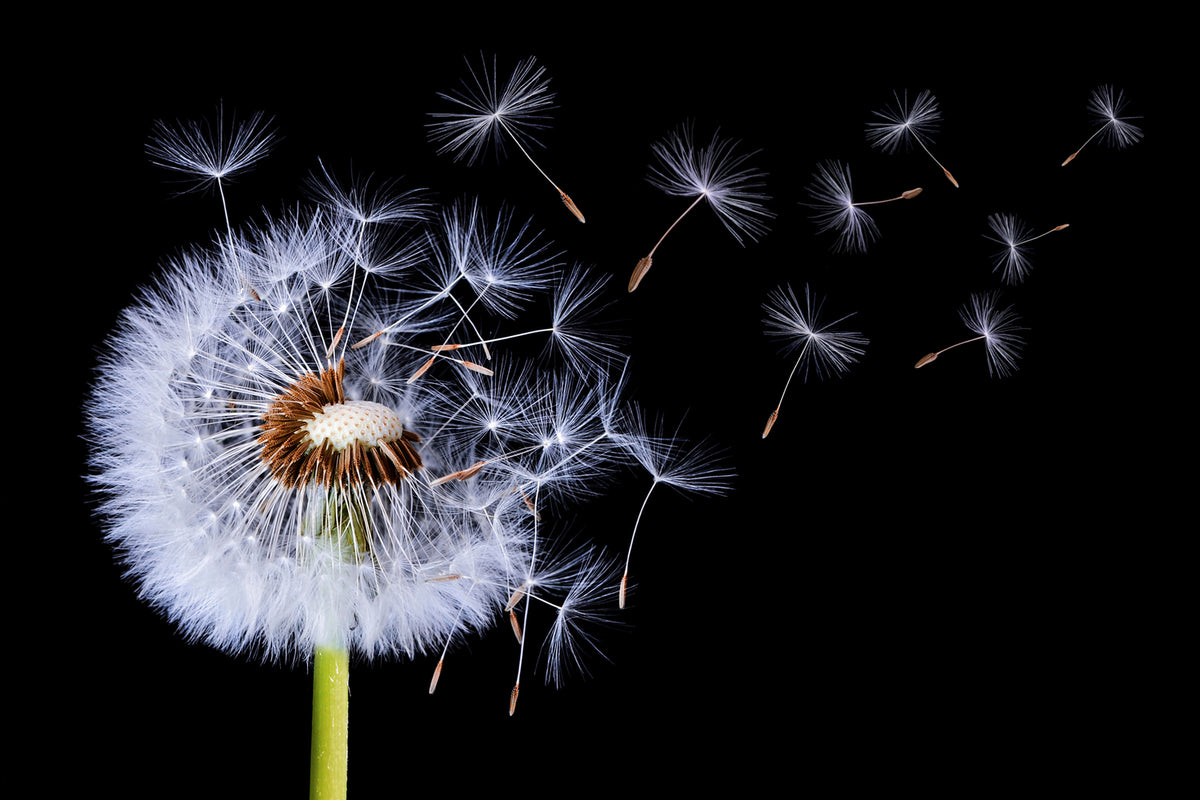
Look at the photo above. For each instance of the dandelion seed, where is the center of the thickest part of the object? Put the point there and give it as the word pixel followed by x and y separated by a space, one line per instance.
pixel 518 109
pixel 437 675
pixel 831 197
pixel 1108 108
pixel 998 327
pixel 471 365
pixel 904 123
pixel 516 597
pixel 824 348
pixel 423 369
pixel 716 172
pixel 1011 262
pixel 516 625
pixel 471 471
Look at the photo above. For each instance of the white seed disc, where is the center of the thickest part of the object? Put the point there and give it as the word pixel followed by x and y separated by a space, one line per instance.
pixel 361 421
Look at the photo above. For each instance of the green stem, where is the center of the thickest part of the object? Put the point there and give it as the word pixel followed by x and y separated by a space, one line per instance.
pixel 330 719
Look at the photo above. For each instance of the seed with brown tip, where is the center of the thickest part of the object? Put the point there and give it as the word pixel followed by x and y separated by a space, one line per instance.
pixel 639 272
pixel 570 204
pixel 437 673
pixel 771 422
pixel 516 626
pixel 471 365
pixel 423 369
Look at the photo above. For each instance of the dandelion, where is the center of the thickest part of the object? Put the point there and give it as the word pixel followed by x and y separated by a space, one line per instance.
pixel 998 327
pixel 718 173
pixel 825 348
pixel 517 108
pixel 904 123
pixel 670 461
pixel 1108 108
pixel 278 487
pixel 831 197
pixel 1011 262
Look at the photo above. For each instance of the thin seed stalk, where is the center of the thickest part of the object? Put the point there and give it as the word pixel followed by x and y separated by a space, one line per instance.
pixel 644 265
pixel 330 724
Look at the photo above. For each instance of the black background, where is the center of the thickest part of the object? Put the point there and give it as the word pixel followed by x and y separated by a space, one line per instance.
pixel 906 588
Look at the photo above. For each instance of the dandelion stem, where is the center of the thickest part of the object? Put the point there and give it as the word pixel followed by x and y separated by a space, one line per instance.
pixel 330 718
pixel 486 342
pixel 775 414
pixel 567 201
pixel 909 195
pixel 926 149
pixel 933 356
pixel 643 266
pixel 1040 235
pixel 1071 157
pixel 512 702
pixel 233 251
pixel 676 222
pixel 629 552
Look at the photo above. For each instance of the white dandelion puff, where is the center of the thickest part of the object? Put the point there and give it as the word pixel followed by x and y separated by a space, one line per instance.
pixel 998 327
pixel 831 198
pixel 903 123
pixel 211 153
pixel 1107 106
pixel 670 461
pixel 275 482
pixel 489 110
pixel 587 592
pixel 385 203
pixel 576 329
pixel 717 172
pixel 1012 262
pixel 579 329
pixel 825 348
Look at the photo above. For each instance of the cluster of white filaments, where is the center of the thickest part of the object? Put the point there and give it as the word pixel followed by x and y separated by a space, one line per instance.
pixel 277 488
pixel 323 432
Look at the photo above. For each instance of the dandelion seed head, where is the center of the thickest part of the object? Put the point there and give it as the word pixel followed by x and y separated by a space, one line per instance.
pixel 1001 328
pixel 825 347
pixel 1011 233
pixel 831 198
pixel 211 152
pixel 486 104
pixel 720 173
pixel 366 204
pixel 670 459
pixel 902 121
pixel 1108 106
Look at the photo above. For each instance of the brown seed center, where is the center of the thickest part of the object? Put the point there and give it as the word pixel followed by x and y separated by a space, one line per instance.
pixel 312 434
